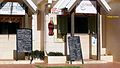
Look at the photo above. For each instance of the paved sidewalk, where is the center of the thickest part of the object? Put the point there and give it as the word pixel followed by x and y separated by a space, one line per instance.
pixel 86 65
pixel 100 65
pixel 105 65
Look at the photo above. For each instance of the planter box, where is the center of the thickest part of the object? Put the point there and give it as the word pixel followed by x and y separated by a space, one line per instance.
pixel 55 59
pixel 108 58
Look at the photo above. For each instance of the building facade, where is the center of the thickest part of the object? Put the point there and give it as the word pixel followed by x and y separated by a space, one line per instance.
pixel 91 24
pixel 17 14
pixel 88 26
pixel 111 30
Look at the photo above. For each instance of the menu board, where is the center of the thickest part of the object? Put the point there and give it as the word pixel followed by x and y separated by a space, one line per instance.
pixel 24 40
pixel 75 48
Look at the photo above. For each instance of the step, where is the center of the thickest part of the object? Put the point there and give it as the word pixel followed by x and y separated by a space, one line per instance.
pixel 108 58
pixel 89 62
pixel 20 61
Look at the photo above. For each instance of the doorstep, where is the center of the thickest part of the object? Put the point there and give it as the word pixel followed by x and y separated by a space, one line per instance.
pixel 89 61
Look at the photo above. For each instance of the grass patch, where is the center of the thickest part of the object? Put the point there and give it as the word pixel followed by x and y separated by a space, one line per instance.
pixel 59 67
pixel 65 67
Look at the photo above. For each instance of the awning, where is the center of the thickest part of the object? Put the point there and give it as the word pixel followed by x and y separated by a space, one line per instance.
pixel 105 5
pixel 87 7
pixel 12 8
pixel 70 4
pixel 31 5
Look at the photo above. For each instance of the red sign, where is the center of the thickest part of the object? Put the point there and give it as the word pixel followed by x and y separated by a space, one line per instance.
pixel 51 28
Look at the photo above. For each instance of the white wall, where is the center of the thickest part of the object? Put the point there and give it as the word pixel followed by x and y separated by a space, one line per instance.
pixel 112 30
pixel 36 33
pixel 52 43
pixel 7 45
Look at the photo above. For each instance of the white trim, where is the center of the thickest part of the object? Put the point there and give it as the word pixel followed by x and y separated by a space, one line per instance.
pixel 31 5
pixel 105 5
pixel 61 4
pixel 69 4
pixel 87 7
pixel 17 9
pixel 72 4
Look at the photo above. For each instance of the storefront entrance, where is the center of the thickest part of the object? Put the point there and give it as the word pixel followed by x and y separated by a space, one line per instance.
pixel 85 26
pixel 8 28
pixel 12 17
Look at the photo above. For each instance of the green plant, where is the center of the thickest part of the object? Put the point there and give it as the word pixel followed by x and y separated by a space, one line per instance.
pixel 42 55
pixel 58 67
pixel 65 67
pixel 55 54
pixel 38 54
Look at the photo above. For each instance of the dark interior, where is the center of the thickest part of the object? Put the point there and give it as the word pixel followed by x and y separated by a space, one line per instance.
pixel 8 28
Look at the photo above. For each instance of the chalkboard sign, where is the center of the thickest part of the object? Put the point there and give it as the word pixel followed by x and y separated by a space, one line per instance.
pixel 75 48
pixel 24 40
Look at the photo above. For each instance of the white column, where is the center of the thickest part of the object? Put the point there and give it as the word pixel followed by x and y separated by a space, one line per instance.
pixel 45 32
pixel 36 33
pixel 101 49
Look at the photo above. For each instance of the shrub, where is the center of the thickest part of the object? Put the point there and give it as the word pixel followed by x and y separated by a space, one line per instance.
pixel 58 66
pixel 38 54
pixel 55 54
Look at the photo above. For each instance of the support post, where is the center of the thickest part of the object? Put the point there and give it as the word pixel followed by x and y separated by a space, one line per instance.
pixel 72 23
pixel 98 36
pixel 72 28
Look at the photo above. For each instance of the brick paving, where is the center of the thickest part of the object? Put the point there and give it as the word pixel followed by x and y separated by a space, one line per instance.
pixel 17 66
pixel 105 65
pixel 100 65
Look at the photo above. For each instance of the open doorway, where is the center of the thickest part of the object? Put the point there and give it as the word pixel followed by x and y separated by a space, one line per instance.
pixel 8 28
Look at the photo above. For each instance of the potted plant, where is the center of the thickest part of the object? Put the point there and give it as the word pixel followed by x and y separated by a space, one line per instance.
pixel 38 54
pixel 55 58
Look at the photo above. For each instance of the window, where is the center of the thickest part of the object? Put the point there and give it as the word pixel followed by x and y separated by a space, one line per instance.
pixel 81 25
pixel 64 25
pixel 61 26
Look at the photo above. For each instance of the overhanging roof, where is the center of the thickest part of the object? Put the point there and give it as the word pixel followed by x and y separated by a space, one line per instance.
pixel 70 4
pixel 105 5
pixel 31 5
pixel 12 8
pixel 87 7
